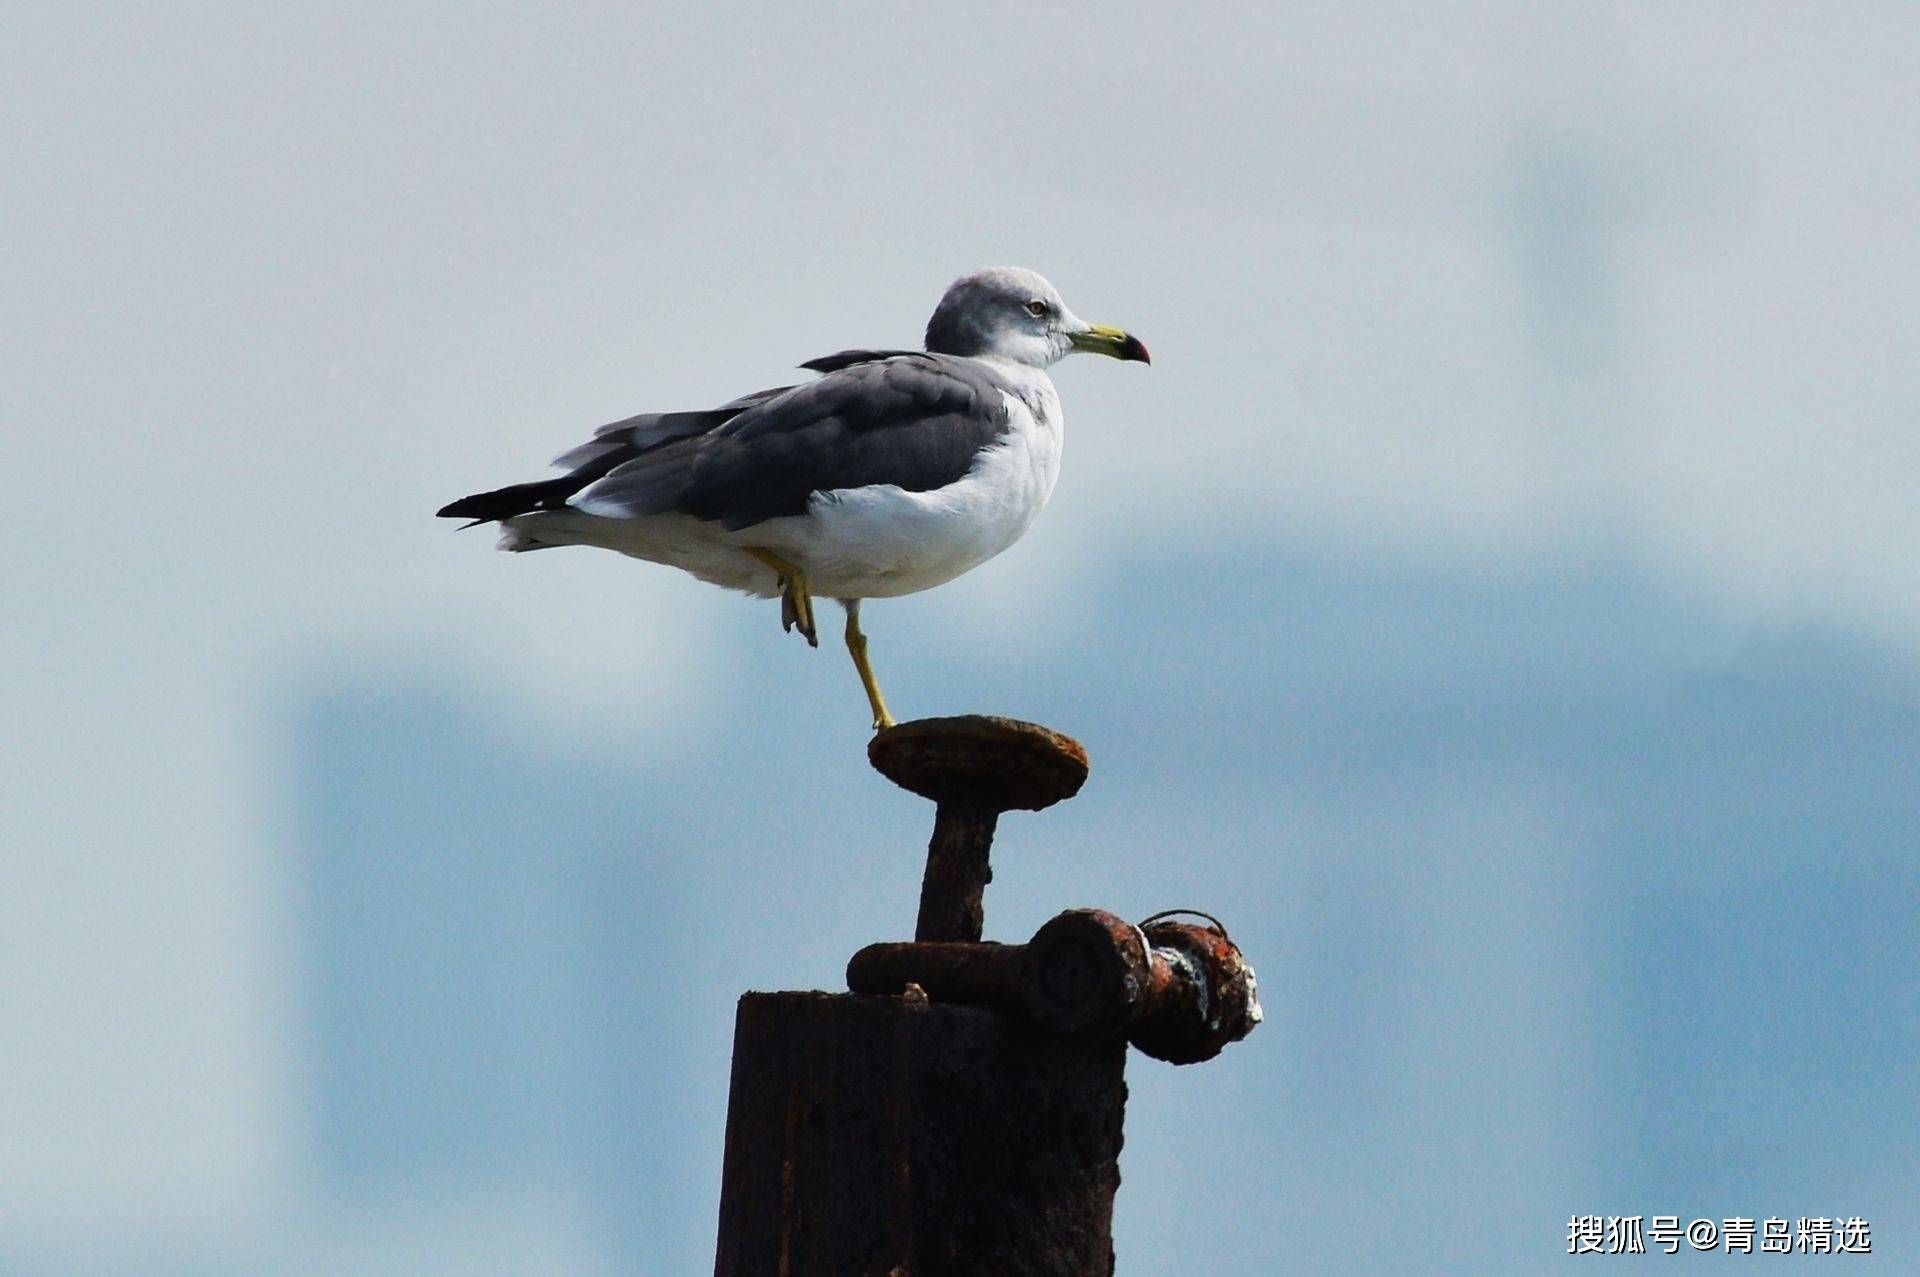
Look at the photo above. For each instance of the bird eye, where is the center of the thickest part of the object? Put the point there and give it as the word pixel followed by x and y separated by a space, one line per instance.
pixel 1036 308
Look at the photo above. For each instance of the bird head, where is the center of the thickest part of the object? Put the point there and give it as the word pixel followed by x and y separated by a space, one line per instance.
pixel 1011 313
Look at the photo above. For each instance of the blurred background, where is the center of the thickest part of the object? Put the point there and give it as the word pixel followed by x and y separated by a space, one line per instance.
pixel 1498 601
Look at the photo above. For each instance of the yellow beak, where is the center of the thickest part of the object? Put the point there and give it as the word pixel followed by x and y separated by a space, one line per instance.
pixel 1102 340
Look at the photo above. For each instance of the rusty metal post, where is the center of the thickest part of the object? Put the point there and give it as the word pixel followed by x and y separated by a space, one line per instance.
pixel 882 1135
pixel 960 1110
pixel 952 904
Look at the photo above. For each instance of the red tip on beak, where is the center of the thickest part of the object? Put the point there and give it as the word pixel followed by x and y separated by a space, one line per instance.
pixel 1135 349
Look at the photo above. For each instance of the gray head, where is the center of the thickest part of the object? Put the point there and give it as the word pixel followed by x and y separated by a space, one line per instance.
pixel 1014 314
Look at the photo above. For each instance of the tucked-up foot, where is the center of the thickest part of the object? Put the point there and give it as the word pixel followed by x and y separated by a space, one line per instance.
pixel 796 600
pixel 796 607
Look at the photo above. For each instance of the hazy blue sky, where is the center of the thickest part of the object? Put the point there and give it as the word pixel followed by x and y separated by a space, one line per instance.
pixel 1499 598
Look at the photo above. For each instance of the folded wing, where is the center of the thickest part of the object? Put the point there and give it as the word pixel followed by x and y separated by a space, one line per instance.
pixel 911 420
pixel 612 446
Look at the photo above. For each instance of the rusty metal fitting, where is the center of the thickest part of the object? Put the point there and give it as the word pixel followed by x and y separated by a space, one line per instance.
pixel 1086 973
pixel 981 760
pixel 980 973
pixel 974 768
pixel 1179 992
pixel 1203 994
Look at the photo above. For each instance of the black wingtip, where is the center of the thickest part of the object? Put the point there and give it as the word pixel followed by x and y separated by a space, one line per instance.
pixel 520 498
pixel 464 508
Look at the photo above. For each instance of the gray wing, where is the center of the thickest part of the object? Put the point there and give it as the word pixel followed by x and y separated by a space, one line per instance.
pixel 916 421
pixel 612 446
pixel 633 436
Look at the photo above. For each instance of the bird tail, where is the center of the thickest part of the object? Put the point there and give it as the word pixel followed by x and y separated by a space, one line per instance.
pixel 545 529
pixel 515 539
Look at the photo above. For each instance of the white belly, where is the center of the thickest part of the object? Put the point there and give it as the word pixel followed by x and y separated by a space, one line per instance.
pixel 881 541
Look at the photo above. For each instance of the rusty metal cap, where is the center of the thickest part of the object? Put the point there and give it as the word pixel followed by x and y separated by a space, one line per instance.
pixel 1085 974
pixel 999 763
pixel 1207 997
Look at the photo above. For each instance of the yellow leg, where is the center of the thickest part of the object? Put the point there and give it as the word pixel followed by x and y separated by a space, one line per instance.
pixel 857 647
pixel 796 600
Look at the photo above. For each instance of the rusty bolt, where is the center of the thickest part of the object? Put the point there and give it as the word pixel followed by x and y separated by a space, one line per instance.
pixel 1085 973
pixel 1180 992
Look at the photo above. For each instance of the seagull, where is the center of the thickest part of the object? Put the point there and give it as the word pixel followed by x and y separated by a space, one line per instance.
pixel 892 472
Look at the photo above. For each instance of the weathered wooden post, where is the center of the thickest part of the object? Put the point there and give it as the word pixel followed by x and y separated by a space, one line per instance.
pixel 960 1110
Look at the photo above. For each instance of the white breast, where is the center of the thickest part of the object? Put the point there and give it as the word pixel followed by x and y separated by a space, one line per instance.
pixel 881 541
